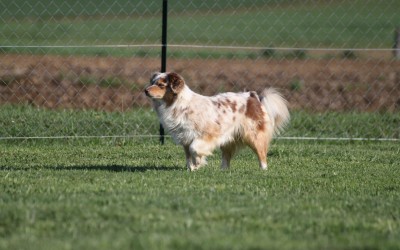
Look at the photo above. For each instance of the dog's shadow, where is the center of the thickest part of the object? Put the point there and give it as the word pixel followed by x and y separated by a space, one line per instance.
pixel 116 168
pixel 107 168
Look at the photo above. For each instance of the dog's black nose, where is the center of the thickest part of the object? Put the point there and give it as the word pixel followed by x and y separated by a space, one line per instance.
pixel 146 92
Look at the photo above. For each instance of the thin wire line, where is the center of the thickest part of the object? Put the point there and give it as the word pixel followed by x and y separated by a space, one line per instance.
pixel 194 46
pixel 75 137
pixel 337 139
pixel 155 136
pixel 276 48
pixel 81 46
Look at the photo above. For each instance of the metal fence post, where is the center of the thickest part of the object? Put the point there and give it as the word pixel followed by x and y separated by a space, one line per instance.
pixel 164 54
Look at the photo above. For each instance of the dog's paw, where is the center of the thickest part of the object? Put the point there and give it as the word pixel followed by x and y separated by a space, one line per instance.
pixel 195 167
pixel 263 166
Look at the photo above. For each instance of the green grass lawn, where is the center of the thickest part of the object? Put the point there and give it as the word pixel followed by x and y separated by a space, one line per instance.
pixel 138 195
pixel 130 192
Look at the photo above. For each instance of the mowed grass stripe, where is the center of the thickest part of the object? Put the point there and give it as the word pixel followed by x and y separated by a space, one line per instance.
pixel 27 121
pixel 350 24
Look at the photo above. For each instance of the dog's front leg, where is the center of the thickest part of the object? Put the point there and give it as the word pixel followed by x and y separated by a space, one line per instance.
pixel 227 153
pixel 197 161
pixel 188 157
pixel 193 160
pixel 198 151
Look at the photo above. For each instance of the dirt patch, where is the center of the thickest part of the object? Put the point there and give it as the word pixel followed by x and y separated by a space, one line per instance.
pixel 112 84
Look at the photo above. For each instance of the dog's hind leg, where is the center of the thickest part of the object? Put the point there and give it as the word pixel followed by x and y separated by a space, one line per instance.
pixel 261 151
pixel 259 144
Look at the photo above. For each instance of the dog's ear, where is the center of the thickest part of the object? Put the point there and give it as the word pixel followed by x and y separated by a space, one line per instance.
pixel 155 74
pixel 176 82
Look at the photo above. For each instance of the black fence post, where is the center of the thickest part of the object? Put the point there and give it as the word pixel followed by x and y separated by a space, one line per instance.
pixel 164 54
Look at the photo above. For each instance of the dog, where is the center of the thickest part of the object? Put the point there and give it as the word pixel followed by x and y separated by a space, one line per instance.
pixel 227 121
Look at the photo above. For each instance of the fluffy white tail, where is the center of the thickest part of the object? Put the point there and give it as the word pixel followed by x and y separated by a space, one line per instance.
pixel 276 107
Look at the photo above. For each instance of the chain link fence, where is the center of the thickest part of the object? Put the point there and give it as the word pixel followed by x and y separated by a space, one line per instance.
pixel 77 68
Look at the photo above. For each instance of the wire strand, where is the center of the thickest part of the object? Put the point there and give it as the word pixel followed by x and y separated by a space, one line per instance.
pixel 195 46
pixel 155 136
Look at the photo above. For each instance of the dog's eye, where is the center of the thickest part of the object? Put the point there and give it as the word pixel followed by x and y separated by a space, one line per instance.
pixel 161 86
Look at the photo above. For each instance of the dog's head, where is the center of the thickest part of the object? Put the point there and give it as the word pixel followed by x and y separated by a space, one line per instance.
pixel 165 86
